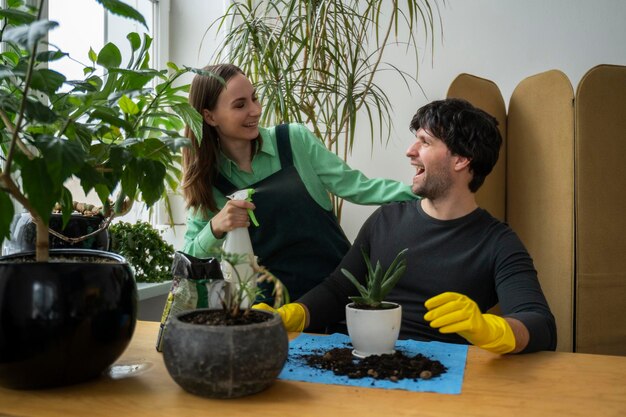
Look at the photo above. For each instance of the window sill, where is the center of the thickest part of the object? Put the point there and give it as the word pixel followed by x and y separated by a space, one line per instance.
pixel 146 290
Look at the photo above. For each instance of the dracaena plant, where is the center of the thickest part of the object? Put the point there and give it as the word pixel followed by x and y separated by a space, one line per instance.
pixel 117 131
pixel 378 283
pixel 320 62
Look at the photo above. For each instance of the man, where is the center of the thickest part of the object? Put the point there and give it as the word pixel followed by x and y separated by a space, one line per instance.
pixel 461 261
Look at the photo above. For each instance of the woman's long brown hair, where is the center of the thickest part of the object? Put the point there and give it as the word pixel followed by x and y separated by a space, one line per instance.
pixel 200 164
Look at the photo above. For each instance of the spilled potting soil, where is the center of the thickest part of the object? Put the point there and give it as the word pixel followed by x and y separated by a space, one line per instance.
pixel 392 367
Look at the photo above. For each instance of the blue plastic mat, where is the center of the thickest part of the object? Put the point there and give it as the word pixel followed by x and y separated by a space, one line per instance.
pixel 452 356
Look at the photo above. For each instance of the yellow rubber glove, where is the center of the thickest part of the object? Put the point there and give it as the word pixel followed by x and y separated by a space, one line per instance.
pixel 451 312
pixel 292 314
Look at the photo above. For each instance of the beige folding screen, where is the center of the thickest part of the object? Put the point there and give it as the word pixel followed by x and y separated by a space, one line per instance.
pixel 540 187
pixel 601 211
pixel 486 95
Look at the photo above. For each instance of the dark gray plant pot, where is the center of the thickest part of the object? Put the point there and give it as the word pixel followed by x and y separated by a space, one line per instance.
pixel 66 321
pixel 225 361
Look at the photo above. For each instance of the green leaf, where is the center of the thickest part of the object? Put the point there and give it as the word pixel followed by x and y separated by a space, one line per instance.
pixel 40 189
pixel 50 56
pixel 110 56
pixel 120 8
pixel 17 17
pixel 40 113
pixel 399 260
pixel 135 41
pixel 191 117
pixel 93 57
pixel 67 206
pixel 151 181
pixel 7 211
pixel 103 192
pixel 392 281
pixel 29 35
pixel 109 116
pixel 128 106
pixel 46 80
pixel 375 283
pixel 11 57
pixel 129 180
pixel 63 157
pixel 362 290
pixel 90 178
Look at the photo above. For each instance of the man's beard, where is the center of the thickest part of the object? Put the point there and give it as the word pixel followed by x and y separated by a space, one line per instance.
pixel 435 185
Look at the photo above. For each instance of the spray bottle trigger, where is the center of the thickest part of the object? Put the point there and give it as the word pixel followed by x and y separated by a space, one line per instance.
pixel 250 212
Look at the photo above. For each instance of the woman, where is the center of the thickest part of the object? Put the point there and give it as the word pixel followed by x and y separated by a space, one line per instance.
pixel 299 239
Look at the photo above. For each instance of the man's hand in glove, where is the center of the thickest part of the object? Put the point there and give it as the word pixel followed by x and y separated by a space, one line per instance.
pixel 451 312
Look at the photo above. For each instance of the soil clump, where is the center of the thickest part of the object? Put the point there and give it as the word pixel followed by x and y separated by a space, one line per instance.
pixel 394 367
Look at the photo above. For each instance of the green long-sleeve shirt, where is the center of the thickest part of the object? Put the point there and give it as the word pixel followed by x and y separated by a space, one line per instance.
pixel 321 172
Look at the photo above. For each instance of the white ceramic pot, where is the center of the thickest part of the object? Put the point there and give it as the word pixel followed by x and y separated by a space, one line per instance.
pixel 373 332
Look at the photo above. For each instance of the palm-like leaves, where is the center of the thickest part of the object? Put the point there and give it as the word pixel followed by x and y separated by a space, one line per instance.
pixel 378 283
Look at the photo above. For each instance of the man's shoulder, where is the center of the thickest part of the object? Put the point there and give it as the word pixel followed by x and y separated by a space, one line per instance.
pixel 397 209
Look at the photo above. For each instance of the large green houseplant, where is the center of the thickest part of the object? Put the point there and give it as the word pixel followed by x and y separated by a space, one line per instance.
pixel 66 315
pixel 117 131
pixel 320 62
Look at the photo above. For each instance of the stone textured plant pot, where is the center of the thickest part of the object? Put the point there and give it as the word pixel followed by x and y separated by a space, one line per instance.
pixel 373 332
pixel 225 361
pixel 63 322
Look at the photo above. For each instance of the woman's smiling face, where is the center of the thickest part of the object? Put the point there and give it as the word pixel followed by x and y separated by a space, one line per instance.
pixel 237 112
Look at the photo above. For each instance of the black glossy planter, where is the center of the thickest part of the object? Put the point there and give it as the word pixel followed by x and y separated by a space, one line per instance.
pixel 63 322
pixel 225 361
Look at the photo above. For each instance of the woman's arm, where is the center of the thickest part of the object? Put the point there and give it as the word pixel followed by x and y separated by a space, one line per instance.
pixel 205 234
pixel 316 163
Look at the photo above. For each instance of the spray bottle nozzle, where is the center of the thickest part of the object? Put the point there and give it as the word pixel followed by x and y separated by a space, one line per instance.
pixel 247 196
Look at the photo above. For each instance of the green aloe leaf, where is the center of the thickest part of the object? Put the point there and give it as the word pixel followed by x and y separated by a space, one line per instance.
pixel 362 290
pixel 392 281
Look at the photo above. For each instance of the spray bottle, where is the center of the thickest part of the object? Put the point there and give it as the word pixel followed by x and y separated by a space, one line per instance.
pixel 238 242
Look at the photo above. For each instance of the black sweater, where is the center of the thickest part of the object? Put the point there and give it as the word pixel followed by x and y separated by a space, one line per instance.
pixel 475 255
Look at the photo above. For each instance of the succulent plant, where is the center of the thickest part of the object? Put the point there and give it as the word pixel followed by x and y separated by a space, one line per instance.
pixel 378 283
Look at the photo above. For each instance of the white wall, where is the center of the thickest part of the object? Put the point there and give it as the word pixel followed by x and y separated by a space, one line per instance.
pixel 501 40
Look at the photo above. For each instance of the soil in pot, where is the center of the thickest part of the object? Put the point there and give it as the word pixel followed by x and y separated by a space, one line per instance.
pixel 223 318
pixel 394 367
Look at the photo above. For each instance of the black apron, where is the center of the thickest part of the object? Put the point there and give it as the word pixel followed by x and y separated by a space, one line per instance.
pixel 296 240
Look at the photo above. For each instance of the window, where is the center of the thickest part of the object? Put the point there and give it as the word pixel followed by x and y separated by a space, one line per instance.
pixel 83 24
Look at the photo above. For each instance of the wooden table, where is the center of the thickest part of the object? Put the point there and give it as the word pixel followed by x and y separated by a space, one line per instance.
pixel 539 384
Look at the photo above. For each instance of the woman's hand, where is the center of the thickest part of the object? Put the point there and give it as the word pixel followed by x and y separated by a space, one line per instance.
pixel 233 215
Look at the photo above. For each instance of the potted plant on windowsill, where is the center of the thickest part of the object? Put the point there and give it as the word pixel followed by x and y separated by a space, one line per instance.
pixel 374 324
pixel 66 315
pixel 233 351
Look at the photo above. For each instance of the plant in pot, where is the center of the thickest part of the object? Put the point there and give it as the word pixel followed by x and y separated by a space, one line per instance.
pixel 149 255
pixel 374 324
pixel 66 315
pixel 229 352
